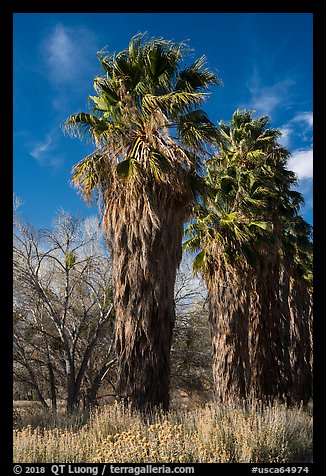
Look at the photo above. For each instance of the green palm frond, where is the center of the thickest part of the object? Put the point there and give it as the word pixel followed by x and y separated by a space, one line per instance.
pixel 200 262
pixel 253 204
pixel 163 56
pixel 224 132
pixel 127 168
pixel 159 61
pixel 106 62
pixel 84 124
pixel 196 186
pixel 173 102
pixel 296 198
pixel 264 225
pixel 241 117
pixel 233 227
pixel 196 129
pixel 256 154
pixel 101 104
pixel 135 47
pixel 89 175
pixel 268 137
pixel 192 244
pixel 160 164
pixel 127 72
pixel 196 77
pixel 108 90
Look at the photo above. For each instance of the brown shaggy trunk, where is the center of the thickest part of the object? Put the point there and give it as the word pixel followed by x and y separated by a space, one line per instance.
pixel 300 305
pixel 269 335
pixel 228 300
pixel 145 228
pixel 250 331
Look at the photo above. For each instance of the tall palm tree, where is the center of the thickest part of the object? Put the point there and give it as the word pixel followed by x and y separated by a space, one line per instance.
pixel 150 136
pixel 239 234
pixel 228 236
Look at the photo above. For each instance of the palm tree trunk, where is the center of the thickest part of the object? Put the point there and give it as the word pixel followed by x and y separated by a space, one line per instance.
pixel 250 331
pixel 146 238
pixel 300 306
pixel 228 301
pixel 269 334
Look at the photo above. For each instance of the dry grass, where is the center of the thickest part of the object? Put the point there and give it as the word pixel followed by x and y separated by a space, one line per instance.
pixel 250 432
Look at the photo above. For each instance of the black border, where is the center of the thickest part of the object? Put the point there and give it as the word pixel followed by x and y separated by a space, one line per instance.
pixel 7 10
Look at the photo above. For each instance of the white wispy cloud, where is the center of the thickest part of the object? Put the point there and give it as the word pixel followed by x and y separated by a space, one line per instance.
pixel 266 99
pixel 45 151
pixel 299 127
pixel 61 54
pixel 40 148
pixel 285 138
pixel 303 166
pixel 301 162
pixel 67 53
pixel 298 130
pixel 305 117
pixel 303 123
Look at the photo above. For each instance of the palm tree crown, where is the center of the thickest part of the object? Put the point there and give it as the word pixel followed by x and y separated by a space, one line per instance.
pixel 145 119
pixel 250 198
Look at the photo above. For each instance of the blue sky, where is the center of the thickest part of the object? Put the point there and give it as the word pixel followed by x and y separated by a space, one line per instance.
pixel 263 59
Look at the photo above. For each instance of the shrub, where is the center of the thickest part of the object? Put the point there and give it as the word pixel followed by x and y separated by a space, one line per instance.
pixel 234 432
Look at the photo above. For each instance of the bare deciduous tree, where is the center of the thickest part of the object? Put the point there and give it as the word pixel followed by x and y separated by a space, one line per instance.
pixel 63 311
pixel 191 351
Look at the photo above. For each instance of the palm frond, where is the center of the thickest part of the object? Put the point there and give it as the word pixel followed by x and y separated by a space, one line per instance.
pixel 107 89
pixel 195 129
pixel 90 174
pixel 200 262
pixel 106 62
pixel 172 102
pixel 196 186
pixel 126 168
pixel 135 47
pixel 82 124
pixel 126 71
pixel 256 154
pixel 159 61
pixel 196 77
pixel 193 244
pixel 159 164
pixel 162 57
pixel 264 225
pixel 101 104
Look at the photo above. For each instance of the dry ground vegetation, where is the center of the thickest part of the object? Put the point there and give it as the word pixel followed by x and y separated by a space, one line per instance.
pixel 233 432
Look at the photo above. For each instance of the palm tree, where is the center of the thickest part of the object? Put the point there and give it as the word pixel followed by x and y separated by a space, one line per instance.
pixel 228 236
pixel 239 233
pixel 150 136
